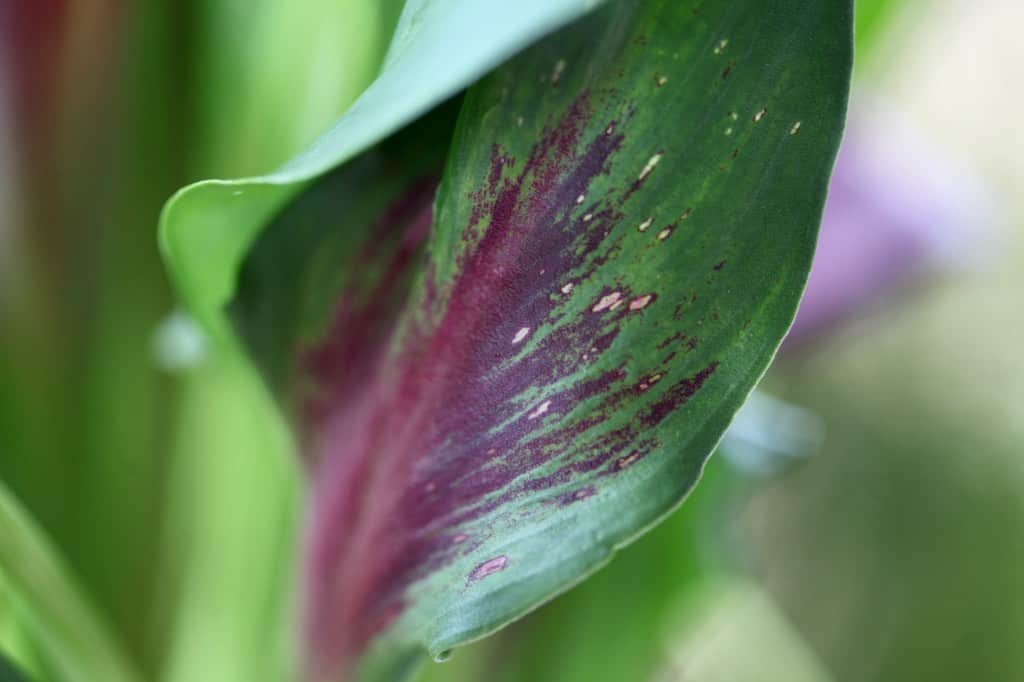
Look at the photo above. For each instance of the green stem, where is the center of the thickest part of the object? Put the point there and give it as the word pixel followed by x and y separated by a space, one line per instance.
pixel 67 625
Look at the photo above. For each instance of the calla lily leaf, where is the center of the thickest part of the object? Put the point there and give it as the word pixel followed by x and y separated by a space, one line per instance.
pixel 498 385
pixel 439 48
pixel 509 352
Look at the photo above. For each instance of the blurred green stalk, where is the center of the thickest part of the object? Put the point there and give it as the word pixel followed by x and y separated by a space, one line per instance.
pixel 268 77
pixel 63 620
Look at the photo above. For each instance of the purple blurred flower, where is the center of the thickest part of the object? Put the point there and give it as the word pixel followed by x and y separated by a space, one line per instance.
pixel 897 209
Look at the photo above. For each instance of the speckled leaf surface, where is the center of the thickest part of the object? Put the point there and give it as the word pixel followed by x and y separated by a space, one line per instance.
pixel 623 227
pixel 496 389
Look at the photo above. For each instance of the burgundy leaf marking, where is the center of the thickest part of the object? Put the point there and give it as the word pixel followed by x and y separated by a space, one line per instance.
pixel 413 441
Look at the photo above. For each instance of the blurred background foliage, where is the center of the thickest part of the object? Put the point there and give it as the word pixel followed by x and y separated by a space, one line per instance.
pixel 158 469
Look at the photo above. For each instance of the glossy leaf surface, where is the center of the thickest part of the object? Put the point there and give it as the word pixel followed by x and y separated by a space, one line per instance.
pixel 622 232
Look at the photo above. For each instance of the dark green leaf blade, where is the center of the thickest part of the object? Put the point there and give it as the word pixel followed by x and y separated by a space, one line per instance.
pixel 8 673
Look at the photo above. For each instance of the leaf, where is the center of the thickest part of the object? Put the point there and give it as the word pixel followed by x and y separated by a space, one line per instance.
pixel 557 642
pixel 206 228
pixel 347 233
pixel 623 230
pixel 233 521
pixel 70 631
pixel 8 673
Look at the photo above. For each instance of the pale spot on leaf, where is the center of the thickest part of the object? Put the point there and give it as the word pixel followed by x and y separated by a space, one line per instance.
pixel 489 567
pixel 641 302
pixel 651 164
pixel 541 410
pixel 624 462
pixel 556 75
pixel 607 302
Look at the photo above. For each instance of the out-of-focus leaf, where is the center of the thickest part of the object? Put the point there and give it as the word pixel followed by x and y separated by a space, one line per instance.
pixel 233 521
pixel 286 73
pixel 96 154
pixel 896 551
pixel 439 47
pixel 621 236
pixel 8 673
pixel 732 631
pixel 898 210
pixel 70 632
pixel 16 644
pixel 873 18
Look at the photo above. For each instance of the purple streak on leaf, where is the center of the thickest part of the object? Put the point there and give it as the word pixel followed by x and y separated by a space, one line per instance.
pixel 365 313
pixel 459 412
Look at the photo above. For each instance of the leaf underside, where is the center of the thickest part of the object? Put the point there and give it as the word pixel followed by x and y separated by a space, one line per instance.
pixel 497 387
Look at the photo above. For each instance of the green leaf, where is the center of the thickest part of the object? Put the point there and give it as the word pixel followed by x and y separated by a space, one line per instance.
pixel 70 631
pixel 288 72
pixel 288 286
pixel 8 673
pixel 623 231
pixel 232 533
pixel 583 635
pixel 206 228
